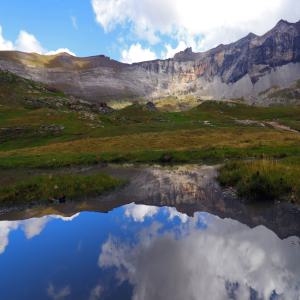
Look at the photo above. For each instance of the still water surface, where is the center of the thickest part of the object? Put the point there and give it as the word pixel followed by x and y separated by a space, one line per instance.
pixel 169 247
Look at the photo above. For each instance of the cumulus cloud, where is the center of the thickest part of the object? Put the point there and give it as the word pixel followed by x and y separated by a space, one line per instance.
pixel 145 16
pixel 227 258
pixel 200 22
pixel 27 42
pixel 136 53
pixel 5 44
pixel 139 212
pixel 33 227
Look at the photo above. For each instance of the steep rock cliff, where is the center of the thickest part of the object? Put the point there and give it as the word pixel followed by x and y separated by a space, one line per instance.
pixel 241 69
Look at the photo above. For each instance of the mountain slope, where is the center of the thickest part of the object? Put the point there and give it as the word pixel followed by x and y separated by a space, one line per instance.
pixel 245 69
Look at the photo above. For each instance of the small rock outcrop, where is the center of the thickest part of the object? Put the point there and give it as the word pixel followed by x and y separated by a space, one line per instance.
pixel 151 106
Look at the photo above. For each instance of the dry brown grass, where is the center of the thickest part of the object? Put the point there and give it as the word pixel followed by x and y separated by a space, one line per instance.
pixel 180 140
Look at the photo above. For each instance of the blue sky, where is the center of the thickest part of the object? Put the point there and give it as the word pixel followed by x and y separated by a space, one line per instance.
pixel 135 30
pixel 50 21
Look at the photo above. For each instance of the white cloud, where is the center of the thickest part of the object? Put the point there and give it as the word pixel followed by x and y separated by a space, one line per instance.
pixel 146 16
pixel 5 44
pixel 214 21
pixel 139 212
pixel 33 227
pixel 203 263
pixel 60 50
pixel 27 42
pixel 5 228
pixel 136 53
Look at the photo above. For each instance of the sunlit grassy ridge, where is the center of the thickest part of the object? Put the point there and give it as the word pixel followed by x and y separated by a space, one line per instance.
pixel 49 61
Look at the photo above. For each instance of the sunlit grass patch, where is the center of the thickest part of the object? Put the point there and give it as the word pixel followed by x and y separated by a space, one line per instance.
pixel 180 140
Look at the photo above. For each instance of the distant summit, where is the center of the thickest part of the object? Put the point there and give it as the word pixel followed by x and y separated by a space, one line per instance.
pixel 186 54
pixel 283 22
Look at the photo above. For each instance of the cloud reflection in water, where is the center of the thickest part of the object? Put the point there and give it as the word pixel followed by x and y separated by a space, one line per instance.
pixel 225 259
pixel 31 228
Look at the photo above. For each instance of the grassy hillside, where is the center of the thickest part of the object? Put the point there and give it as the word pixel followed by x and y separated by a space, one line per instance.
pixel 41 127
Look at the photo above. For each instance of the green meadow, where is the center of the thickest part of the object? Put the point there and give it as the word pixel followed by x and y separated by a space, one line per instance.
pixel 42 128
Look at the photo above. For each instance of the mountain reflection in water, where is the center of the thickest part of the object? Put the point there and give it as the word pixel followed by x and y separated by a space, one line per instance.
pixel 190 241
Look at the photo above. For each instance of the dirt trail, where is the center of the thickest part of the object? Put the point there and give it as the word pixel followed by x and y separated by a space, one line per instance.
pixel 273 124
pixel 279 126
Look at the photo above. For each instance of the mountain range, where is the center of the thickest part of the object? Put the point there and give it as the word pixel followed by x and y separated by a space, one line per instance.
pixel 251 68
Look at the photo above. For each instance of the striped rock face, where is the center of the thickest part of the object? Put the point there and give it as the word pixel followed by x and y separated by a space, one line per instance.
pixel 246 68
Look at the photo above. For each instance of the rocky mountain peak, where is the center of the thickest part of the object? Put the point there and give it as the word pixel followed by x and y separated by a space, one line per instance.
pixel 283 23
pixel 188 50
pixel 184 55
pixel 251 36
pixel 284 26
